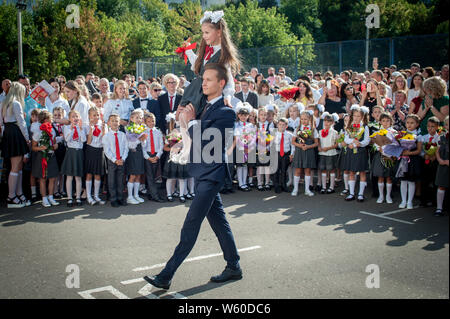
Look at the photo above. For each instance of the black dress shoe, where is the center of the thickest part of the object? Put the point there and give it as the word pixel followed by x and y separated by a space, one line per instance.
pixel 285 189
pixel 158 200
pixel 228 274
pixel 122 202
pixel 157 282
pixel 115 204
pixel 277 190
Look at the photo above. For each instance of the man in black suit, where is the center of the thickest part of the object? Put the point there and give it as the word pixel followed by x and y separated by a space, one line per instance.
pixel 169 101
pixel 144 102
pixel 209 179
pixel 246 95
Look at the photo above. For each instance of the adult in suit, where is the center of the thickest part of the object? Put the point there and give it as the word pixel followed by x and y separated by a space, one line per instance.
pixel 145 102
pixel 169 101
pixel 209 180
pixel 246 95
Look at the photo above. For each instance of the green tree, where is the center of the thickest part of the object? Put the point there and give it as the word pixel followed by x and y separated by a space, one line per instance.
pixel 304 17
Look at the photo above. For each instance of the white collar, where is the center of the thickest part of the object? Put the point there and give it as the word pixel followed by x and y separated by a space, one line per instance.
pixel 215 100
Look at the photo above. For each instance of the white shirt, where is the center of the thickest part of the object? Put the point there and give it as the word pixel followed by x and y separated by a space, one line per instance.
pixel 109 145
pixel 157 140
pixel 143 102
pixel 60 101
pixel 96 140
pixel 82 106
pixel 287 142
pixel 412 94
pixel 37 136
pixel 15 116
pixel 294 123
pixel 123 107
pixel 328 141
pixel 228 90
pixel 366 139
pixel 68 137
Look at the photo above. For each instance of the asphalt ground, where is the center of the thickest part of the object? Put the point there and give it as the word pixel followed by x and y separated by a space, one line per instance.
pixel 290 248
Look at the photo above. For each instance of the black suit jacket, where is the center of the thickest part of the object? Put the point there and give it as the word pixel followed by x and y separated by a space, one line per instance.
pixel 222 118
pixel 165 108
pixel 252 98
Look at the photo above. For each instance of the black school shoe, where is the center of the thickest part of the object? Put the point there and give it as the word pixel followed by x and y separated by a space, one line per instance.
pixel 114 203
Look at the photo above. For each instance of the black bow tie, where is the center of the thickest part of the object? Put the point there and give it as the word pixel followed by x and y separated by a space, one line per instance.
pixel 144 100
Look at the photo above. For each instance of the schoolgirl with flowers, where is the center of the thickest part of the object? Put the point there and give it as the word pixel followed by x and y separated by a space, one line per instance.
pixel 357 138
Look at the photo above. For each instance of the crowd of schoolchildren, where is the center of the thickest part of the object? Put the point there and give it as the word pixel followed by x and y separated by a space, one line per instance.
pixel 113 141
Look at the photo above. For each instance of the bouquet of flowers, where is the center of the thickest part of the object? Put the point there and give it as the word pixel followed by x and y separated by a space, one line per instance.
pixel 47 141
pixel 288 92
pixel 173 137
pixel 403 141
pixel 134 131
pixel 430 150
pixel 356 131
pixel 303 135
pixel 380 138
pixel 340 138
pixel 264 140
pixel 246 141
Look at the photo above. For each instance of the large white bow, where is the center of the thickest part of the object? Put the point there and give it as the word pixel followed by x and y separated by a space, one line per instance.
pixel 214 16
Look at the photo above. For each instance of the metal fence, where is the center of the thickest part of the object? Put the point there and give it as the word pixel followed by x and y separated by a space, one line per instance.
pixel 428 50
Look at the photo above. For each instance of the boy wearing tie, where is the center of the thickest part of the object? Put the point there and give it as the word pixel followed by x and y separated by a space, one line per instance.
pixel 283 144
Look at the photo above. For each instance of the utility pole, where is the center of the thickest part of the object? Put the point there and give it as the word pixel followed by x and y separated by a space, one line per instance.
pixel 21 5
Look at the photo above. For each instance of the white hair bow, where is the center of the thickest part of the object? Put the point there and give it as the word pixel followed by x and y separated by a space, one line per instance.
pixel 321 108
pixel 213 16
pixel 363 109
pixel 270 107
pixel 300 107
pixel 170 116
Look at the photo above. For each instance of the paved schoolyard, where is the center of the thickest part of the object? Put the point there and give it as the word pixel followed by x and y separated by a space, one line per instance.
pixel 303 247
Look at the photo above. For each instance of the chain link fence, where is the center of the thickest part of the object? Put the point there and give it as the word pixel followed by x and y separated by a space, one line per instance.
pixel 428 50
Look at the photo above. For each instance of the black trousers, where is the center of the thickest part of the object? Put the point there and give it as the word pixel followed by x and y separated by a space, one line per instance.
pixel 115 181
pixel 151 170
pixel 279 179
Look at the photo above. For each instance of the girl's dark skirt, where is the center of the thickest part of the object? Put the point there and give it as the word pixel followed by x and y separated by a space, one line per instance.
pixel 358 162
pixel 379 170
pixel 442 176
pixel 95 161
pixel 414 169
pixel 52 166
pixel 73 162
pixel 328 163
pixel 173 170
pixel 304 159
pixel 13 142
pixel 135 162
pixel 60 153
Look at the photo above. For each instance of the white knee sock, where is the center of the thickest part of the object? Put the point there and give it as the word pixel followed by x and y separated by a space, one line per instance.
pixel 97 187
pixel 130 189
pixel 381 190
pixel 388 190
pixel 182 185
pixel 267 179
pixel 332 180
pixel 324 180
pixel 19 190
pixel 404 190
pixel 307 183
pixel 260 178
pixel 169 186
pixel 319 181
pixel 296 181
pixel 244 175
pixel 346 176
pixel 290 173
pixel 411 191
pixel 440 198
pixel 69 180
pixel 351 186
pixel 89 189
pixel 362 186
pixel 78 186
pixel 136 189
pixel 12 184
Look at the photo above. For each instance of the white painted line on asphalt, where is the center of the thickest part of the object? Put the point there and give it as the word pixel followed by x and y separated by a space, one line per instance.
pixel 189 260
pixel 397 211
pixel 269 198
pixel 87 294
pixel 385 217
